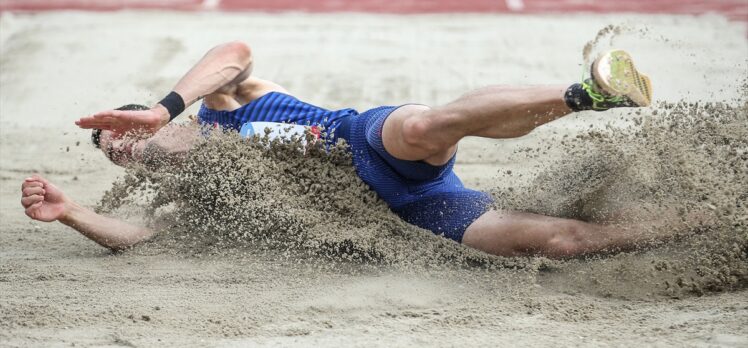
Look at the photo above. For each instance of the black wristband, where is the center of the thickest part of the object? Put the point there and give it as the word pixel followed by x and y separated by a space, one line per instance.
pixel 174 104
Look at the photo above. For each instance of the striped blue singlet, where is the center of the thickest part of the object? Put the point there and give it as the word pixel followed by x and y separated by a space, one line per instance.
pixel 430 197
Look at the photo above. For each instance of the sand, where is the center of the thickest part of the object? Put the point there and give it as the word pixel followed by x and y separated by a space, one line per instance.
pixel 355 275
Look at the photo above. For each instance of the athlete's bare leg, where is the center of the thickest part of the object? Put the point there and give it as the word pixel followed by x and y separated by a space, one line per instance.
pixel 417 132
pixel 511 233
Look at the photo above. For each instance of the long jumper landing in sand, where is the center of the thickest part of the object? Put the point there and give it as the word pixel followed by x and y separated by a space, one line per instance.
pixel 405 153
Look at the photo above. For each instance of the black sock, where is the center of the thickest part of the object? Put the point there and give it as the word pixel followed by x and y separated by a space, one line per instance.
pixel 577 99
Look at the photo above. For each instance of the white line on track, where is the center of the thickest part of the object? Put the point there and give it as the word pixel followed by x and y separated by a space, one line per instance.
pixel 211 4
pixel 515 5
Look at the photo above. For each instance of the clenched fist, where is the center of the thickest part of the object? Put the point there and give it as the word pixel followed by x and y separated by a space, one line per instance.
pixel 42 200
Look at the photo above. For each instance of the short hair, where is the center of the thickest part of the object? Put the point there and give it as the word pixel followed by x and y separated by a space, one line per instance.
pixel 96 133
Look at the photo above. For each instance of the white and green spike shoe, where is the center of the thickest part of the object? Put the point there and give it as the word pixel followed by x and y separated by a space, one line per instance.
pixel 615 82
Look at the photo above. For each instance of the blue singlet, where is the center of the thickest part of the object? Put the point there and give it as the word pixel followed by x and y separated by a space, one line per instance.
pixel 430 197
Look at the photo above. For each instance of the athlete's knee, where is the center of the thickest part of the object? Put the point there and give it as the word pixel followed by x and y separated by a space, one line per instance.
pixel 568 239
pixel 419 131
pixel 415 130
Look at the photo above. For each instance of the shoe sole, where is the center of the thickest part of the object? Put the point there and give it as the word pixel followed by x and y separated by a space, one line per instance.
pixel 615 73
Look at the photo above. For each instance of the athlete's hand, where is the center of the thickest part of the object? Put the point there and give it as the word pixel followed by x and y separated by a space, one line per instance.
pixel 42 200
pixel 121 121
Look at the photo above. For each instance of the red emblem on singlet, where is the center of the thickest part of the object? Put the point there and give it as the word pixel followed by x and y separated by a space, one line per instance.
pixel 316 131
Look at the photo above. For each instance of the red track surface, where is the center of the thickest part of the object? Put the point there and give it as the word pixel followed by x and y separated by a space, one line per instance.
pixel 734 9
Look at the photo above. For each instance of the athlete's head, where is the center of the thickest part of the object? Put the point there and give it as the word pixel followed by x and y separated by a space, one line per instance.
pixel 115 148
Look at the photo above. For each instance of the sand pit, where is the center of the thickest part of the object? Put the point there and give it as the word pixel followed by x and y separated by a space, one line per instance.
pixel 305 275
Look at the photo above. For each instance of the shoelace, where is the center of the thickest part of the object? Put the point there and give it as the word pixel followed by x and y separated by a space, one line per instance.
pixel 599 97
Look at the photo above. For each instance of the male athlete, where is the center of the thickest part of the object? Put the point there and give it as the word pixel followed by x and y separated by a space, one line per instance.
pixel 404 153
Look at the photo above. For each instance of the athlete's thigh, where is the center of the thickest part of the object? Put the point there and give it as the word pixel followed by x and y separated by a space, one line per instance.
pixel 512 233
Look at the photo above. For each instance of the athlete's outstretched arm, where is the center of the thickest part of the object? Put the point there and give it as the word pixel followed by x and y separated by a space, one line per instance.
pixel 224 65
pixel 43 201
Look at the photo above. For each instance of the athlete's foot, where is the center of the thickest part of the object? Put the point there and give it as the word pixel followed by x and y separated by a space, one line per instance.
pixel 615 82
